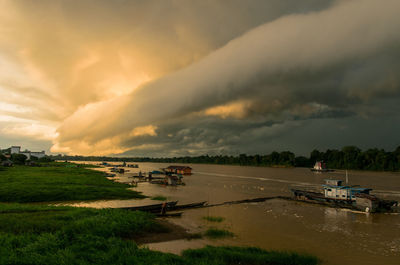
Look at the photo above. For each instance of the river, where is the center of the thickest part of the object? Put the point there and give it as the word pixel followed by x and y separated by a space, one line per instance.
pixel 336 236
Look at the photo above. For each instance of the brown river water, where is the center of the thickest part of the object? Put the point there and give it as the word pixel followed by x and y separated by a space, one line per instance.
pixel 336 236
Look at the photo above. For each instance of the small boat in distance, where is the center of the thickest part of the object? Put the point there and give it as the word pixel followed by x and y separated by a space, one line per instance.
pixel 118 170
pixel 320 166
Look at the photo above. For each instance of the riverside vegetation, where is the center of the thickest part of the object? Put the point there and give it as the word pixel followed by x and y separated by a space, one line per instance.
pixel 349 157
pixel 32 233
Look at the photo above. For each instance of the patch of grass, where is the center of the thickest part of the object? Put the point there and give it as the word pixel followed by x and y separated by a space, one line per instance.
pixel 215 233
pixel 88 166
pixel 24 219
pixel 59 182
pixel 246 255
pixel 159 198
pixel 215 219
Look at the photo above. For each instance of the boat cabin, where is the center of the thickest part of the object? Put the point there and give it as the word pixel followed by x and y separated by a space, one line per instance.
pixel 333 182
pixel 333 189
pixel 184 170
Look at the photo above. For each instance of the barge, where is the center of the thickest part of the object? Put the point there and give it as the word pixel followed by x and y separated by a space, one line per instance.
pixel 335 194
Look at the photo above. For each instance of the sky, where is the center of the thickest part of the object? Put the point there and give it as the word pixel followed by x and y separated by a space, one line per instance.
pixel 166 78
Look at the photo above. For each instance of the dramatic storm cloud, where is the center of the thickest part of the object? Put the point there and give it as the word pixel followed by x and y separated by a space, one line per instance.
pixel 184 78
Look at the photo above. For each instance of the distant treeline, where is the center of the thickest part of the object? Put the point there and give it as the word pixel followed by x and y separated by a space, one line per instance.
pixel 349 157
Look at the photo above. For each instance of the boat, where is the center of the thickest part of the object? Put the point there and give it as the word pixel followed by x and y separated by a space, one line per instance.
pixel 336 194
pixel 183 170
pixel 158 181
pixel 118 170
pixel 153 208
pixel 139 175
pixel 172 180
pixel 320 166
pixel 169 214
pixel 189 205
pixel 157 172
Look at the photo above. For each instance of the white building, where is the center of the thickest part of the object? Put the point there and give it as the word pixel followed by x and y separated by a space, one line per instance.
pixel 15 149
pixel 28 154
pixel 38 154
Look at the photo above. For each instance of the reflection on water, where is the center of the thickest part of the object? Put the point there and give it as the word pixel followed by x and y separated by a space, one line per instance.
pixel 337 236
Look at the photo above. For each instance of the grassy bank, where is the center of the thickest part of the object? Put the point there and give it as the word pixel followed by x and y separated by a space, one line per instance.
pixel 66 235
pixel 245 255
pixel 40 234
pixel 59 182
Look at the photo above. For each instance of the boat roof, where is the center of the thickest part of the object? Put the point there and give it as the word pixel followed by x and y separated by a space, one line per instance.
pixel 347 187
pixel 333 180
pixel 179 167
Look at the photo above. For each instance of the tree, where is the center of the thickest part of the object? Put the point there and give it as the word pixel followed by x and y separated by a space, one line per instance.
pixel 18 158
pixel 45 159
pixel 350 155
pixel 301 161
pixel 286 158
pixel 315 156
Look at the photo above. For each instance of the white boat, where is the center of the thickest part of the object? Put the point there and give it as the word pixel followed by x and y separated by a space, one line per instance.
pixel 320 166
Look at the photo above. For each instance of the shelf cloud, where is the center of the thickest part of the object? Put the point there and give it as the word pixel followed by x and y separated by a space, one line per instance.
pixel 188 85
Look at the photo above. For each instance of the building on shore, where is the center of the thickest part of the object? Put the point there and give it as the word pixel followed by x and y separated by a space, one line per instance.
pixel 15 149
pixel 27 153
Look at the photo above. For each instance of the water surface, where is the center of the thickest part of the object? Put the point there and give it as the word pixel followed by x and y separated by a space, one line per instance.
pixel 337 236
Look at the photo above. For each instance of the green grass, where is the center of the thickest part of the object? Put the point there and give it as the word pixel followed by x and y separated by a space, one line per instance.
pixel 59 182
pixel 159 198
pixel 23 219
pixel 66 235
pixel 88 166
pixel 215 233
pixel 215 219
pixel 248 256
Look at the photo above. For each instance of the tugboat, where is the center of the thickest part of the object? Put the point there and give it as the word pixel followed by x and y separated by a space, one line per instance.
pixel 352 197
pixel 320 166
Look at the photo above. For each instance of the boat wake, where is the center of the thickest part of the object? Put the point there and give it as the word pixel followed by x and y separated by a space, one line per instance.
pixel 258 178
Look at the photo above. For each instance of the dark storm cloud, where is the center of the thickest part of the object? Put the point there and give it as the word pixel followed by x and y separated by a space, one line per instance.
pixel 338 63
pixel 74 53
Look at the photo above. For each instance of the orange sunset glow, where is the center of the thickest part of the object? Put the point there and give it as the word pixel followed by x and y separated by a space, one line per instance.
pixel 162 78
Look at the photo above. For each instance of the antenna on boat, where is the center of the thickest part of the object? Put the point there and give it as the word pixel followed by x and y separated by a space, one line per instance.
pixel 347 177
